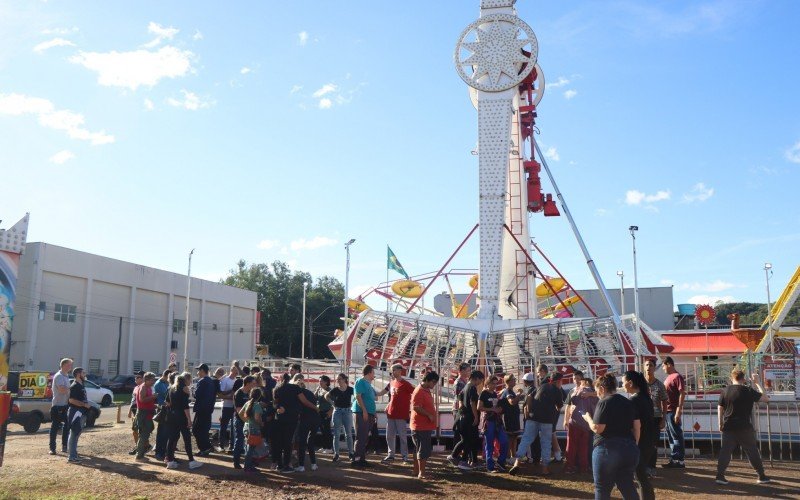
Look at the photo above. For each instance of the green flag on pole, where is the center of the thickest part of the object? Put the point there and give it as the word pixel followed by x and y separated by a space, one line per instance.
pixel 393 263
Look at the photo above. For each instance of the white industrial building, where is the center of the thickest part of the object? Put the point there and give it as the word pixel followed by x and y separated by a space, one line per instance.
pixel 117 317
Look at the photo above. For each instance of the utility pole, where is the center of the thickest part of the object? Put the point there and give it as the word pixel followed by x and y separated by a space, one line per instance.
pixel 119 343
pixel 186 325
pixel 303 328
pixel 633 230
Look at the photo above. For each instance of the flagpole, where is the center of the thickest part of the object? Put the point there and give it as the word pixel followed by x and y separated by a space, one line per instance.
pixel 387 277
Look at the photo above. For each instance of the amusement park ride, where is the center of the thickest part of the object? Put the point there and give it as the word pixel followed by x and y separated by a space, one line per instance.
pixel 524 314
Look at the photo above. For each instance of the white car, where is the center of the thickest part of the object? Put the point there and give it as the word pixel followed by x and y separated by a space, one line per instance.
pixel 100 395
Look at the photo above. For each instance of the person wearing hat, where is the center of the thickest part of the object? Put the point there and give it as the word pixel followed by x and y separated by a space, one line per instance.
pixel 204 398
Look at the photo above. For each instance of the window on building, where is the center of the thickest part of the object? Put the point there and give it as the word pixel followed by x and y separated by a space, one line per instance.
pixel 112 368
pixel 178 325
pixel 42 310
pixel 194 326
pixel 214 327
pixel 241 330
pixel 154 367
pixel 137 366
pixel 94 367
pixel 65 313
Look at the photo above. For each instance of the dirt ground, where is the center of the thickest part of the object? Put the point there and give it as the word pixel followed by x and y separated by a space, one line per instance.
pixel 109 472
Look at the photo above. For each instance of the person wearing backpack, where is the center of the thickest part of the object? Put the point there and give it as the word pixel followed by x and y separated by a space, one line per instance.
pixel 251 414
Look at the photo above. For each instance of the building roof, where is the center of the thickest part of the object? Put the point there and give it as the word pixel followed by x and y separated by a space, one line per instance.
pixel 697 342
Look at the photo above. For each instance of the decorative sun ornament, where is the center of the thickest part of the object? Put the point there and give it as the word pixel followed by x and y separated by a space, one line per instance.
pixel 497 59
pixel 705 314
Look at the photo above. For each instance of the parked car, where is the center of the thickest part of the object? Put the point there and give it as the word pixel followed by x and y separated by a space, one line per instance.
pixel 32 413
pixel 97 379
pixel 100 395
pixel 121 384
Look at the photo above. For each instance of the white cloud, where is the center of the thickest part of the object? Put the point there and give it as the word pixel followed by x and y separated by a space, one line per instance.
pixel 699 193
pixel 714 286
pixel 303 37
pixel 68 121
pixel 245 70
pixel 268 244
pixel 197 35
pixel 551 153
pixel 312 244
pixel 296 89
pixel 711 299
pixel 635 197
pixel 190 101
pixel 325 89
pixel 601 212
pixel 55 42
pixel 793 153
pixel 161 34
pixel 148 104
pixel 569 94
pixel 62 157
pixel 60 31
pixel 325 103
pixel 558 83
pixel 136 68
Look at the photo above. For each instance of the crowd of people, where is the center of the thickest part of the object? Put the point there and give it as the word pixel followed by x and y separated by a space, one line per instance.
pixel 267 418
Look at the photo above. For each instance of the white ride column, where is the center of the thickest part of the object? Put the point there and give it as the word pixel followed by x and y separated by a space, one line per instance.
pixel 490 57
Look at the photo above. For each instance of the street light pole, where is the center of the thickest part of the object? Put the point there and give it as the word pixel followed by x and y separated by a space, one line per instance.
pixel 186 324
pixel 303 328
pixel 621 292
pixel 346 291
pixel 767 272
pixel 633 230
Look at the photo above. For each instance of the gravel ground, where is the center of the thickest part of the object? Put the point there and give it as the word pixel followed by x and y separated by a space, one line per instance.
pixel 109 472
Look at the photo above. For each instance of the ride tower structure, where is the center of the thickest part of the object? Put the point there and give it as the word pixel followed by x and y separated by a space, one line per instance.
pixel 496 56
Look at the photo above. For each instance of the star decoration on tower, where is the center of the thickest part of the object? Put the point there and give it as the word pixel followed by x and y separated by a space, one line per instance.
pixel 496 51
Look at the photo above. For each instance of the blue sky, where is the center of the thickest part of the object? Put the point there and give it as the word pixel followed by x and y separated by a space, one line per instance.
pixel 278 130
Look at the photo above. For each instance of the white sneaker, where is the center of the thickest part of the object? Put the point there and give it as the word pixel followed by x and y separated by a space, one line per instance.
pixel 194 464
pixel 300 469
pixel 172 465
pixel 314 467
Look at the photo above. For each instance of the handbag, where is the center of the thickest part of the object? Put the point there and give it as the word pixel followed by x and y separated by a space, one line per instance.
pixel 161 415
pixel 254 440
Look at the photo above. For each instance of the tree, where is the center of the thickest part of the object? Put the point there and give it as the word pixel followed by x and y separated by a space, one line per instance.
pixel 751 314
pixel 280 301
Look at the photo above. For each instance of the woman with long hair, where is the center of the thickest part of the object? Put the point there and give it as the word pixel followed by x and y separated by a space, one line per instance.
pixel 179 420
pixel 341 397
pixel 307 426
pixel 252 411
pixel 636 385
pixel 616 430
pixel 287 413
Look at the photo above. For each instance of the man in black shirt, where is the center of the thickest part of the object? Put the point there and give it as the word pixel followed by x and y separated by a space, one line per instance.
pixel 467 449
pixel 734 409
pixel 240 397
pixel 78 404
pixel 541 412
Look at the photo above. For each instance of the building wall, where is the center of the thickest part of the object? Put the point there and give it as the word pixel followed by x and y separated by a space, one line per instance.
pixel 71 303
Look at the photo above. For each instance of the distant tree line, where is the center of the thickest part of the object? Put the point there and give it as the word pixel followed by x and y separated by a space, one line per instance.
pixel 280 301
pixel 753 314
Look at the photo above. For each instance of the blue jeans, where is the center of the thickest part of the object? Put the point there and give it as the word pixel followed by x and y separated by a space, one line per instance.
pixel 74 423
pixel 494 431
pixel 533 429
pixel 674 437
pixel 614 463
pixel 162 435
pixel 238 441
pixel 342 418
pixel 250 453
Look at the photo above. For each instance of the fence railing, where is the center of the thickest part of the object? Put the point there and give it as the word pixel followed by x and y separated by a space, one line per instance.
pixel 777 426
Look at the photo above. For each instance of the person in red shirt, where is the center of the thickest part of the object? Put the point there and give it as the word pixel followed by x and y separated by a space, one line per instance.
pixel 423 422
pixel 676 393
pixel 397 413
pixel 146 407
